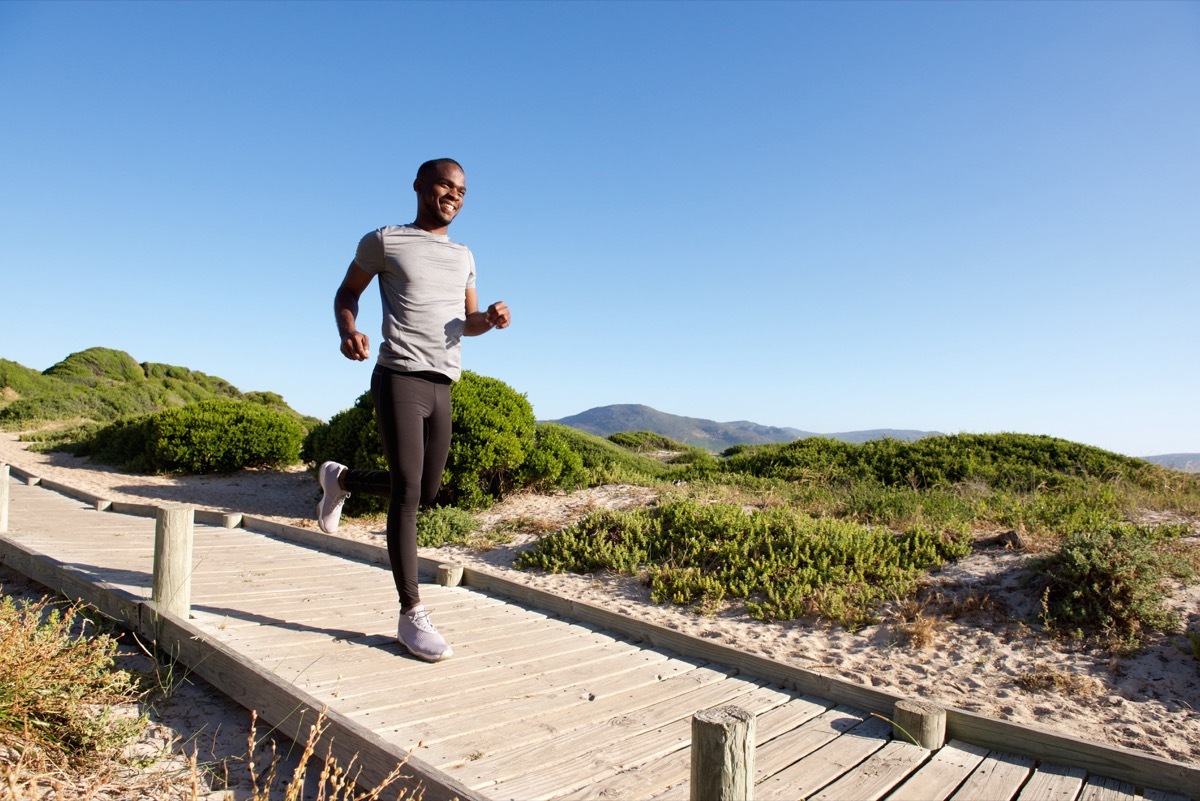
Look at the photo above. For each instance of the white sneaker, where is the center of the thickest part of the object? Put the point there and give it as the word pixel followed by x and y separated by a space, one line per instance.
pixel 329 509
pixel 417 634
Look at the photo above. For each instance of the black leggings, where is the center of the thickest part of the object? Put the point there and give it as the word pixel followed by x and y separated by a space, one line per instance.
pixel 413 410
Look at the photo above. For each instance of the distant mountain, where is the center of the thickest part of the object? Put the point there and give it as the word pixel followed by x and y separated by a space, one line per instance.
pixel 1187 462
pixel 708 434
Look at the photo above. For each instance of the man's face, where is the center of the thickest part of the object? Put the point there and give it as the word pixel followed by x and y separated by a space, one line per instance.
pixel 440 194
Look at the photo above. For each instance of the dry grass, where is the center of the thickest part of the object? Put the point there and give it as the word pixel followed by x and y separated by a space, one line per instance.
pixel 1046 679
pixel 70 726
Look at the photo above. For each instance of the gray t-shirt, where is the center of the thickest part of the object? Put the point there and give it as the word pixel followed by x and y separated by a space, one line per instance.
pixel 423 279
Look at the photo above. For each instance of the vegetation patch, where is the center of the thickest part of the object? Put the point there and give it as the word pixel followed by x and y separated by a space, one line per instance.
pixel 52 679
pixel 1111 583
pixel 101 385
pixel 783 564
pixel 216 436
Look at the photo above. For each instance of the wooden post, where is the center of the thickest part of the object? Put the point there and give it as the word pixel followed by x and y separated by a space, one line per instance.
pixel 722 755
pixel 171 589
pixel 449 575
pixel 3 497
pixel 920 721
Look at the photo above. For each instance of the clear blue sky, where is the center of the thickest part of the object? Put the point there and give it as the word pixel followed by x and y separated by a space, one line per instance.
pixel 977 216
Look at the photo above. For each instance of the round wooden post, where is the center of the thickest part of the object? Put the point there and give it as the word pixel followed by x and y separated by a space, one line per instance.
pixel 722 755
pixel 3 497
pixel 449 575
pixel 920 721
pixel 171 590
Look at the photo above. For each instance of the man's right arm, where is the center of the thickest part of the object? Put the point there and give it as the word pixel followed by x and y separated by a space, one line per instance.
pixel 355 344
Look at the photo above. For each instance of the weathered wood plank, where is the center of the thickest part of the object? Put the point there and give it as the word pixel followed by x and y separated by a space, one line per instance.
pixel 999 777
pixel 828 763
pixel 874 778
pixel 780 752
pixel 665 746
pixel 1100 788
pixel 625 714
pixel 941 776
pixel 505 679
pixel 1053 783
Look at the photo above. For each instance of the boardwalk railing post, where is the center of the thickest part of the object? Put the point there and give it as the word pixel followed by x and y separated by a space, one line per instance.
pixel 449 575
pixel 722 755
pixel 171 589
pixel 3 497
pixel 920 721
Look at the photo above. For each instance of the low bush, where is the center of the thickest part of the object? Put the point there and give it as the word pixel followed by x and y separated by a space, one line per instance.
pixel 445 525
pixel 1111 583
pixel 646 441
pixel 51 679
pixel 782 563
pixel 216 436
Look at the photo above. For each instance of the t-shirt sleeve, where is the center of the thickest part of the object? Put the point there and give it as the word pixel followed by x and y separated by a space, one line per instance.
pixel 471 273
pixel 369 255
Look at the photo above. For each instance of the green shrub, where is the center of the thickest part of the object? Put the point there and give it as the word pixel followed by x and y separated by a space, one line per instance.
pixel 103 385
pixel 216 436
pixel 605 462
pixel 1111 583
pixel 445 525
pixel 553 463
pixel 784 564
pixel 643 441
pixel 494 431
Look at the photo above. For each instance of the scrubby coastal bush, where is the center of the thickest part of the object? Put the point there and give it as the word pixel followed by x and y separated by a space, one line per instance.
pixel 783 563
pixel 217 436
pixel 497 447
pixel 1110 583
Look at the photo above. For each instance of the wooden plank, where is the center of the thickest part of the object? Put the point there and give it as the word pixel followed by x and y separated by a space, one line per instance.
pixel 467 660
pixel 466 665
pixel 1053 783
pixel 509 679
pixel 999 777
pixel 1100 788
pixel 780 752
pixel 439 720
pixel 1150 794
pixel 626 713
pixel 828 763
pixel 795 713
pixel 666 746
pixel 534 711
pixel 874 778
pixel 941 776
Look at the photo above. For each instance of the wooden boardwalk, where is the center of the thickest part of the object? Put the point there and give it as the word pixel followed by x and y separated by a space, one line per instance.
pixel 535 703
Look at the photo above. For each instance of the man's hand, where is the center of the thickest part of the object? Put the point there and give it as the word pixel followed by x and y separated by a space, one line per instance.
pixel 356 346
pixel 498 315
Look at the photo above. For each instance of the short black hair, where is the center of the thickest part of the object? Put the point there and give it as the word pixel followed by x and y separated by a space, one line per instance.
pixel 433 164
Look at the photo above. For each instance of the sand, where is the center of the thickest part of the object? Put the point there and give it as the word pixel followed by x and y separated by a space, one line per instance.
pixel 970 643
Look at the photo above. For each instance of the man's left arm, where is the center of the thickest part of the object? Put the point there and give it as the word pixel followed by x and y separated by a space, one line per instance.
pixel 496 316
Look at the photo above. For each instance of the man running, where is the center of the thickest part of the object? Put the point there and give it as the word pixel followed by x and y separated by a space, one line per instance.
pixel 427 286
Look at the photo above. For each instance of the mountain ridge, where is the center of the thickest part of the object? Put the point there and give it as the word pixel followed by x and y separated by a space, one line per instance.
pixel 711 435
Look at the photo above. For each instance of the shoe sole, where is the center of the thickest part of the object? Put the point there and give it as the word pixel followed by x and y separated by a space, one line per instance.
pixel 426 657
